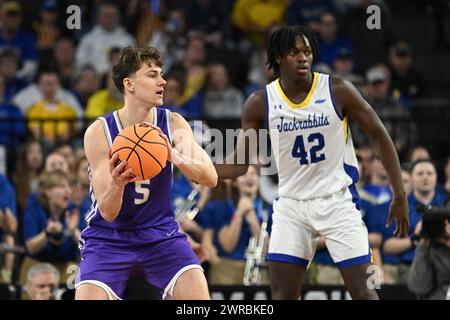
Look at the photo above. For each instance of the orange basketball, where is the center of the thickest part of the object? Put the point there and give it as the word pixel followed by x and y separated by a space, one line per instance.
pixel 143 148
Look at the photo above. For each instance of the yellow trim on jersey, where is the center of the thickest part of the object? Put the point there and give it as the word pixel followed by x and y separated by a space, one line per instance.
pixel 345 123
pixel 307 100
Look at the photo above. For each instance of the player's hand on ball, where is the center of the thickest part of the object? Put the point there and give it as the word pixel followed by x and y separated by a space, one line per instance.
pixel 173 154
pixel 120 173
pixel 400 213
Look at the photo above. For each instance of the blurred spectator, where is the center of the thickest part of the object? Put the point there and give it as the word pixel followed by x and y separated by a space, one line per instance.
pixel 32 93
pixel 8 69
pixel 254 18
pixel 8 227
pixel 42 281
pixel 211 17
pixel 405 78
pixel 47 29
pixel 173 91
pixel 220 98
pixel 365 156
pixel 65 60
pixel 417 152
pixel 80 187
pixel 12 36
pixel 12 125
pixel 234 221
pixel 94 46
pixel 447 175
pixel 68 153
pixel 406 178
pixel 379 186
pixel 104 101
pixel 56 161
pixel 51 118
pixel 330 40
pixel 193 67
pixel 170 39
pixel 424 180
pixel 343 66
pixel 30 164
pixel 51 228
pixel 86 82
pixel 258 74
pixel 308 12
pixel 395 117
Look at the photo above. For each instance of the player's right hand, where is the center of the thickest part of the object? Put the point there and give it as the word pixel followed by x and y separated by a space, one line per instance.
pixel 400 212
pixel 121 175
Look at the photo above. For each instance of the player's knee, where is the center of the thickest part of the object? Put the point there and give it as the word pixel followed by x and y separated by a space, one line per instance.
pixel 191 285
pixel 363 293
pixel 90 292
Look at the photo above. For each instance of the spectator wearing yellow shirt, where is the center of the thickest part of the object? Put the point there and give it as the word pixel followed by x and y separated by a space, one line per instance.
pixel 49 118
pixel 256 17
pixel 104 101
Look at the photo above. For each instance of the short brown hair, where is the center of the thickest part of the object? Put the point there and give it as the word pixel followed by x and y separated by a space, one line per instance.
pixel 130 60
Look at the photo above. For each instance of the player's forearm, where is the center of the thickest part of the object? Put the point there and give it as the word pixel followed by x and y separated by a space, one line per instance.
pixel 388 155
pixel 395 246
pixel 230 171
pixel 110 202
pixel 201 170
pixel 37 243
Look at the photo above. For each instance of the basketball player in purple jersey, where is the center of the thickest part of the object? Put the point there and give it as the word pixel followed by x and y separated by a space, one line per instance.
pixel 131 224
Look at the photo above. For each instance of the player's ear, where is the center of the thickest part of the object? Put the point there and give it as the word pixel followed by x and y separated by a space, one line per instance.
pixel 128 84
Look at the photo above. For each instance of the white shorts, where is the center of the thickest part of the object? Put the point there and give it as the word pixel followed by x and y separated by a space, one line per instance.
pixel 297 225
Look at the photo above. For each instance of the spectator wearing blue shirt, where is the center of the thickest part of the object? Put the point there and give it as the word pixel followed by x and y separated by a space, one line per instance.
pixel 12 124
pixel 330 40
pixel 424 181
pixel 11 36
pixel 233 220
pixel 8 69
pixel 51 225
pixel 8 226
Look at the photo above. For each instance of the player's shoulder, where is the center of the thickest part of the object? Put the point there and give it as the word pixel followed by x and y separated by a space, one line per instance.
pixel 93 128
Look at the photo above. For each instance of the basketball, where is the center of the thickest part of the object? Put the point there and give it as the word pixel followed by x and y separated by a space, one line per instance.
pixel 143 148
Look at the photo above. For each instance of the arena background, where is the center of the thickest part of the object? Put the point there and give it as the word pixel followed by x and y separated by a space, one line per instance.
pixel 54 37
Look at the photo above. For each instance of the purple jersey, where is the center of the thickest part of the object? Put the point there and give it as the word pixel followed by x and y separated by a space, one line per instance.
pixel 145 203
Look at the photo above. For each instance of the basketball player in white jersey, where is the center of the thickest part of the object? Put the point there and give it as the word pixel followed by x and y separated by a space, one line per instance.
pixel 307 116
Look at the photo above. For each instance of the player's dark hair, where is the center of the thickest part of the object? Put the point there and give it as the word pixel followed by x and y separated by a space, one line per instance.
pixel 130 60
pixel 283 40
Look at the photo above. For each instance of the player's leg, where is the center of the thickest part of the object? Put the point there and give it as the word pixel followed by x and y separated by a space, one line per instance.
pixel 90 291
pixel 172 267
pixel 291 247
pixel 347 241
pixel 286 280
pixel 357 282
pixel 191 285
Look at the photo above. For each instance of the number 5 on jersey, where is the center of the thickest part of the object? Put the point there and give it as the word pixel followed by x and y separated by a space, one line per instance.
pixel 299 151
pixel 142 188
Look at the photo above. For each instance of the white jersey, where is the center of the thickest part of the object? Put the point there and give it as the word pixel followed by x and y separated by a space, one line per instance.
pixel 311 142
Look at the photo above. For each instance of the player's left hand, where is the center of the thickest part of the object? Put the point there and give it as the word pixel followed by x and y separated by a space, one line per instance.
pixel 169 146
pixel 399 211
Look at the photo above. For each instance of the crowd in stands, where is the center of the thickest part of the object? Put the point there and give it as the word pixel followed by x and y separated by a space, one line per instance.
pixel 55 81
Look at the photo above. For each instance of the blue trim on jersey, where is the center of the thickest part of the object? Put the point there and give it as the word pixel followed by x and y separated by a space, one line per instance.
pixel 332 99
pixel 354 261
pixel 287 258
pixel 352 172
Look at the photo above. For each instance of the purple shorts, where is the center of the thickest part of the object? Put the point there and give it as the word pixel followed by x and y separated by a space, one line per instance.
pixel 109 256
